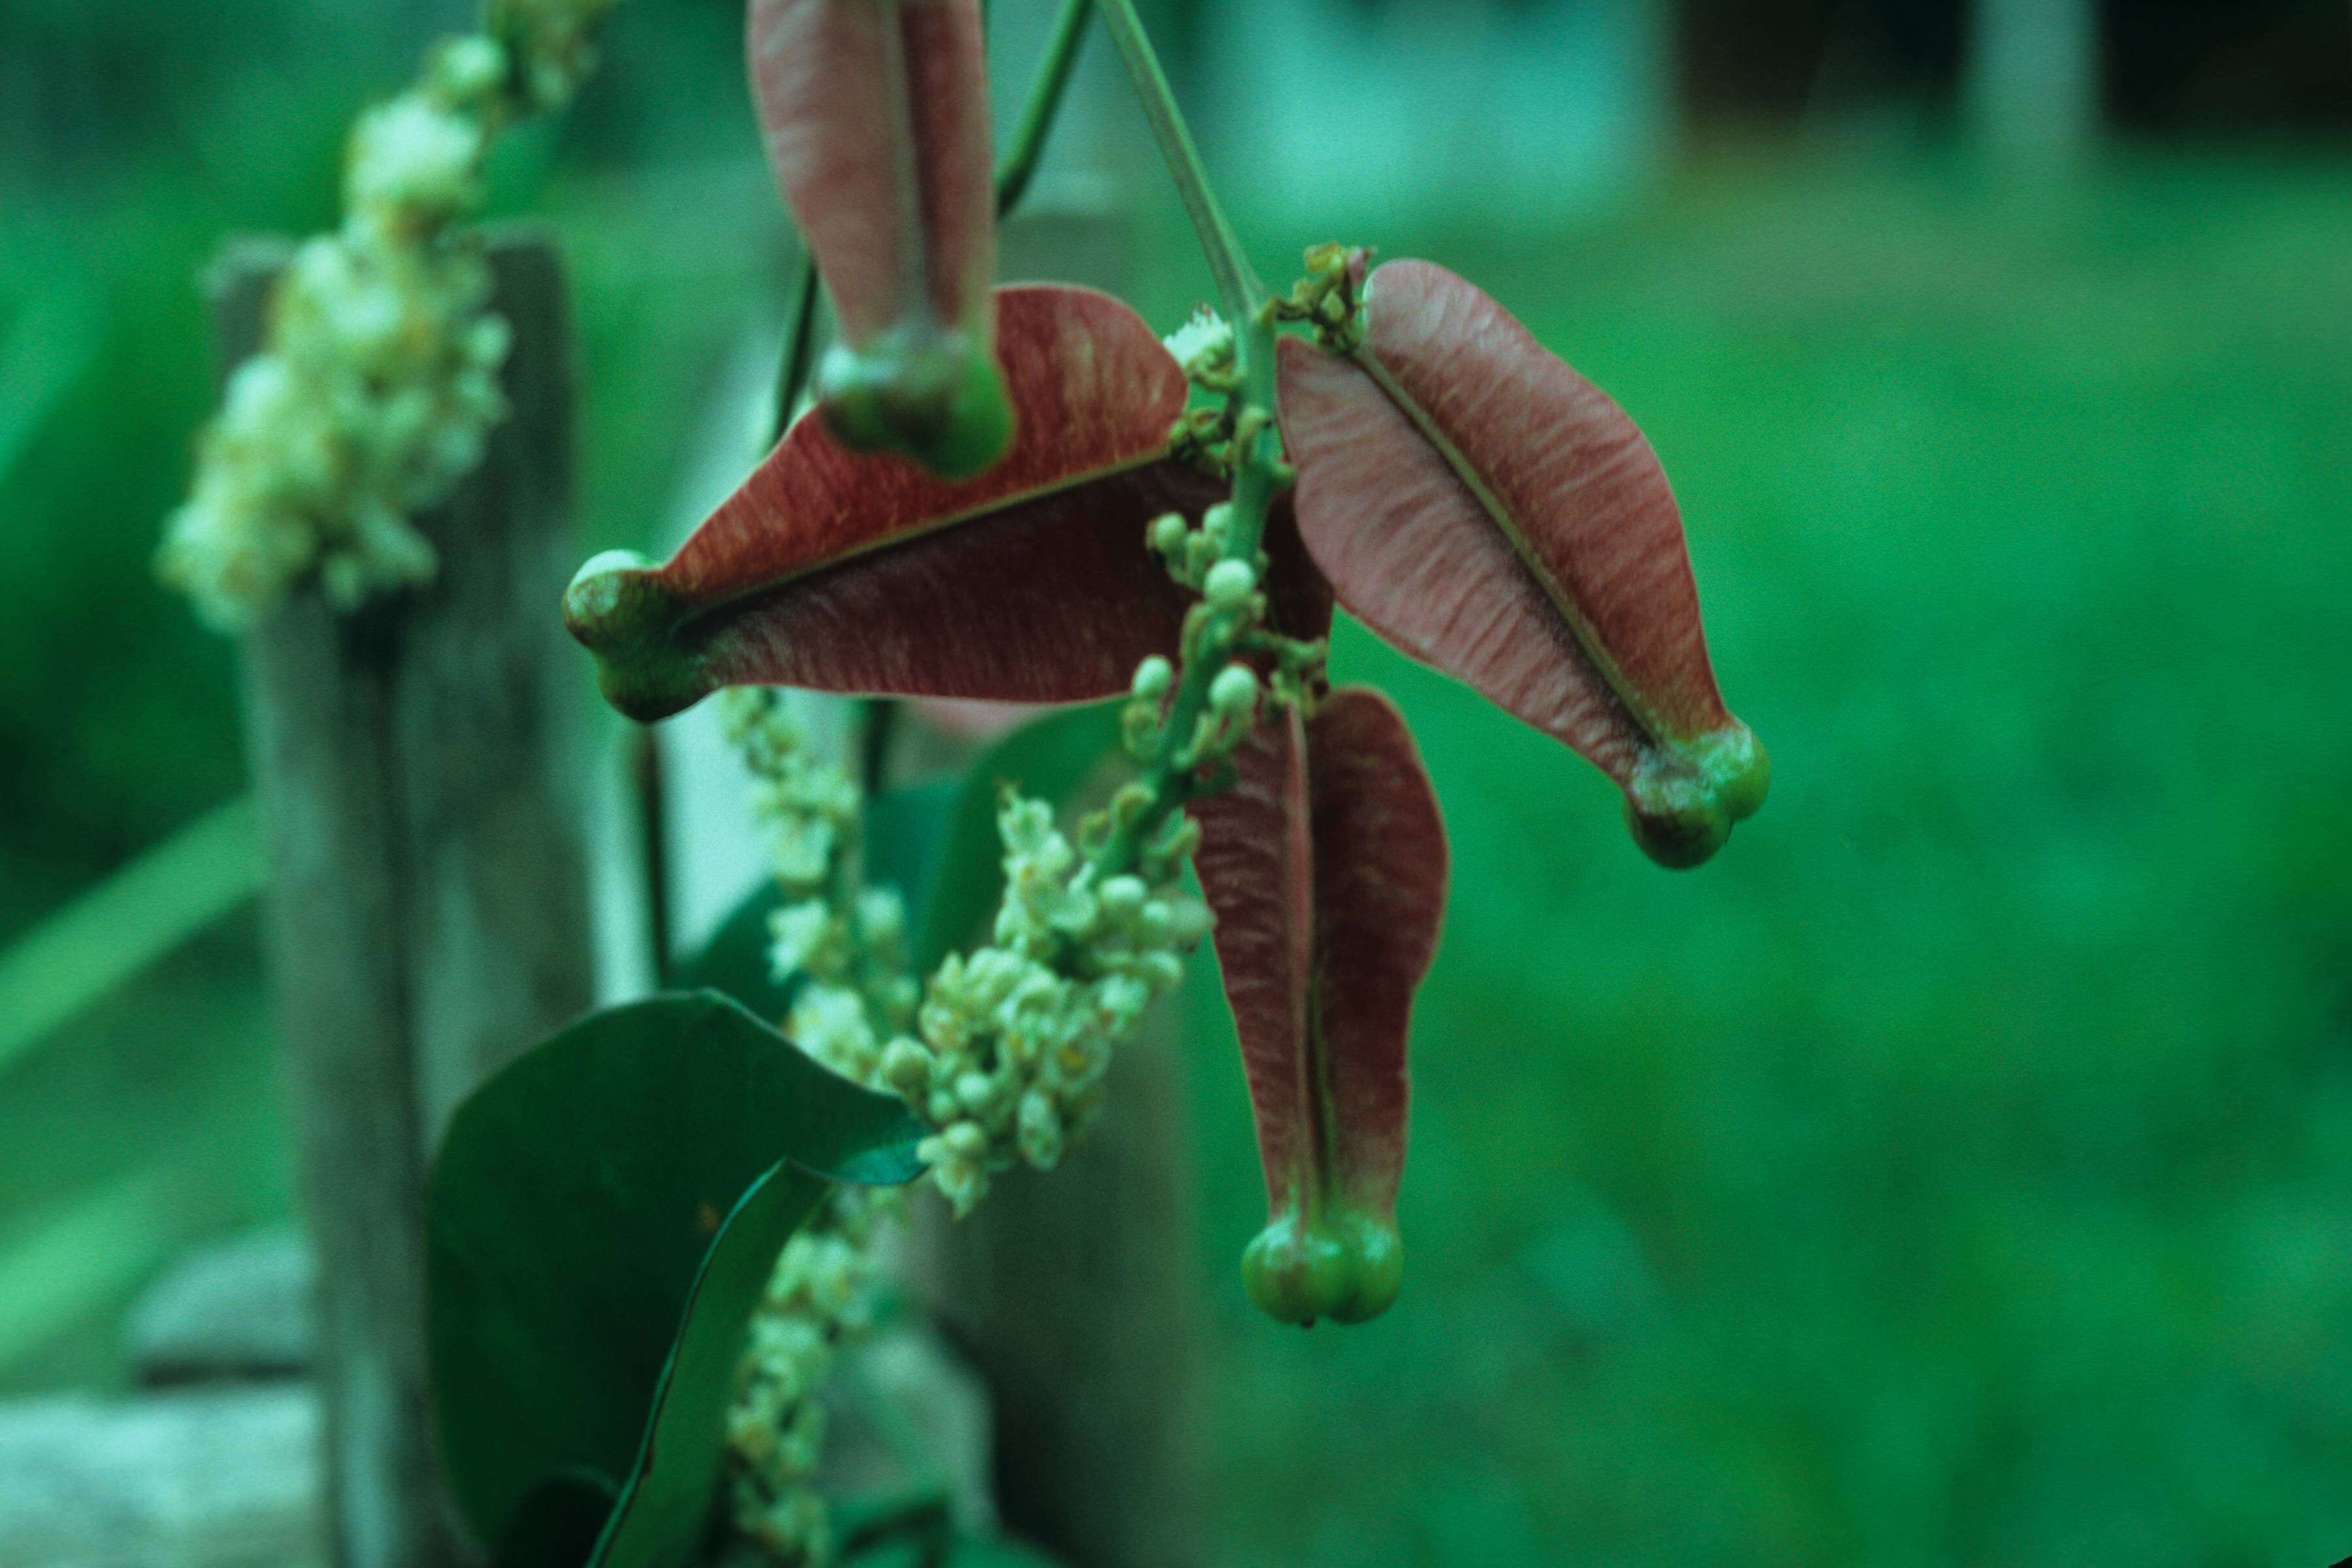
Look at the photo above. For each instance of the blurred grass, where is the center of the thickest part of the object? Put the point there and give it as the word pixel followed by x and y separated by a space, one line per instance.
pixel 1952 1172
pixel 1955 1171
pixel 86 951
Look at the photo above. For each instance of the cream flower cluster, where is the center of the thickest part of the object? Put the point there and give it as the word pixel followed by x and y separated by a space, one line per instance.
pixel 1205 343
pixel 554 43
pixel 841 946
pixel 378 381
pixel 819 1300
pixel 1015 1038
pixel 1004 1056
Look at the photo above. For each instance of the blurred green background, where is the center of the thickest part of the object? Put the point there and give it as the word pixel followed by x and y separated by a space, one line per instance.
pixel 1957 1170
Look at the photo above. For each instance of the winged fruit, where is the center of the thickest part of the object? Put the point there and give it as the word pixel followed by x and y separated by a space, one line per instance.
pixel 876 118
pixel 1327 867
pixel 848 571
pixel 1489 511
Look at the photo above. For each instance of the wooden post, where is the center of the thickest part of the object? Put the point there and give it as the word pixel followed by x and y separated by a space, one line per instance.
pixel 1074 1293
pixel 428 914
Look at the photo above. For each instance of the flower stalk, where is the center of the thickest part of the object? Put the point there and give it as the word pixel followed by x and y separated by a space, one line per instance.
pixel 1238 528
pixel 1044 104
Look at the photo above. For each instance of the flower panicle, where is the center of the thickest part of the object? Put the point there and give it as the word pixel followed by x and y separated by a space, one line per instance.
pixel 377 382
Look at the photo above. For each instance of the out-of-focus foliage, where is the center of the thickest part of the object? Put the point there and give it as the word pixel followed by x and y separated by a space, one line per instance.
pixel 131 142
pixel 81 955
pixel 1954 1171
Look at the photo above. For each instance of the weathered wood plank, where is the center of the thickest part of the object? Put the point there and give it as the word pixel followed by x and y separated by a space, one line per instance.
pixel 427 910
pixel 1074 1294
pixel 237 1311
pixel 213 1479
pixel 229 1476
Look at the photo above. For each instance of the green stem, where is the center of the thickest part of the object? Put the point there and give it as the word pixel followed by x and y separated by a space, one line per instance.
pixel 1259 473
pixel 1257 450
pixel 1044 103
pixel 1237 286
pixel 881 715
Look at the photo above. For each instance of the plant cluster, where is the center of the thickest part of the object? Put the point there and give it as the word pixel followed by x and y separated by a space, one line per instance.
pixel 1017 497
pixel 1013 494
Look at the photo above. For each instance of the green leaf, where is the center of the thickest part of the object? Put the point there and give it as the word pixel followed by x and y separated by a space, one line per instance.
pixel 904 830
pixel 557 1523
pixel 1053 759
pixel 666 1512
pixel 875 1525
pixel 599 1224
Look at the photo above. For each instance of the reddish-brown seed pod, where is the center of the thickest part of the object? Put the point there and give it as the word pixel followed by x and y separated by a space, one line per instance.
pixel 844 572
pixel 876 118
pixel 1491 512
pixel 1299 600
pixel 1327 868
pixel 1299 607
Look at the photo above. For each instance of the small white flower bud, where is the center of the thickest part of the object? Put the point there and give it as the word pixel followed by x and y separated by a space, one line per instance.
pixel 1156 924
pixel 1203 338
pixel 1230 584
pixel 883 914
pixel 1233 694
pixel 964 1185
pixel 1074 914
pixel 907 1067
pixel 1168 534
pixel 1153 677
pixel 1041 1130
pixel 974 1090
pixel 966 1141
pixel 1189 921
pixel 470 67
pixel 1122 897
